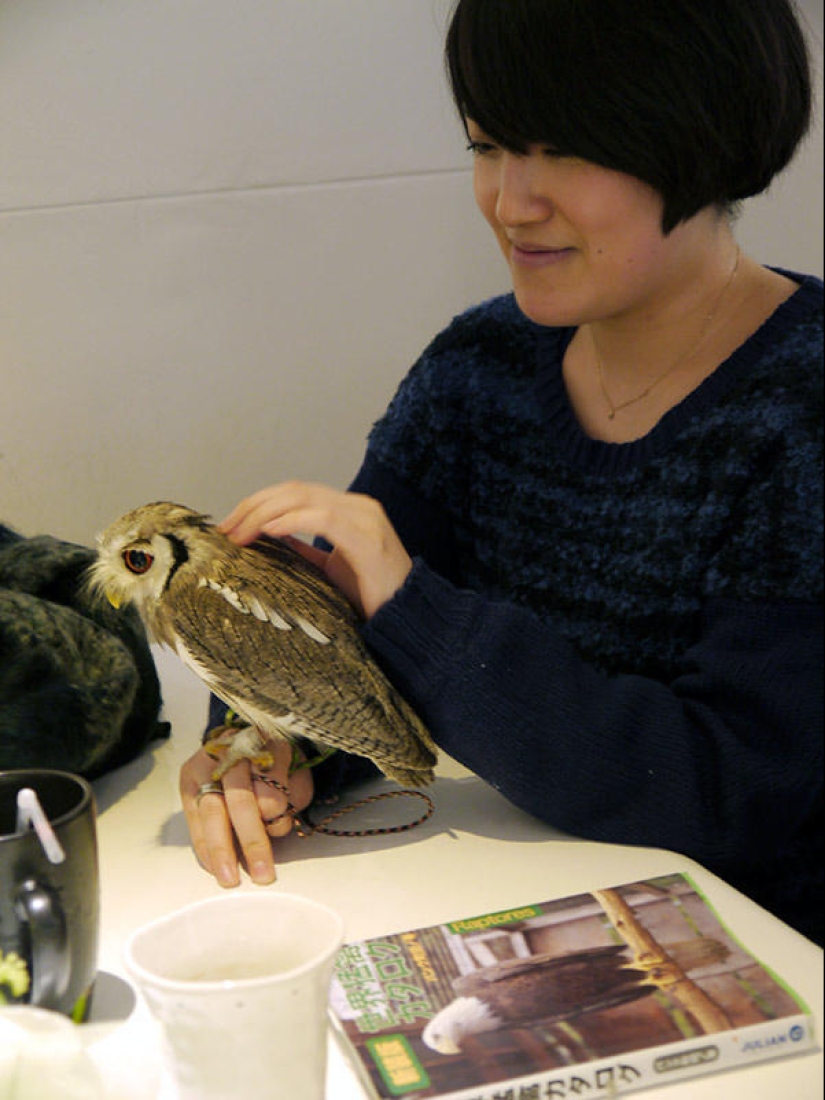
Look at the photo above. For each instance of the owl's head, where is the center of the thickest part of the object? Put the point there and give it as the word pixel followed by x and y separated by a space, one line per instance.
pixel 140 552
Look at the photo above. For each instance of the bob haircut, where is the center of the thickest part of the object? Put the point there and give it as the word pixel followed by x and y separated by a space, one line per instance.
pixel 704 100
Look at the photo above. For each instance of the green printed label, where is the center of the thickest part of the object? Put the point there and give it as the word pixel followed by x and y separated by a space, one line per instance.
pixel 494 920
pixel 398 1064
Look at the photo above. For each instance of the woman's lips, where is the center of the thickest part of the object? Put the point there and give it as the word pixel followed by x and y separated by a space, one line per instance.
pixel 533 256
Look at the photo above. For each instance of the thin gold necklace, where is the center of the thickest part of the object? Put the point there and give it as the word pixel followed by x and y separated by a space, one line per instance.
pixel 612 408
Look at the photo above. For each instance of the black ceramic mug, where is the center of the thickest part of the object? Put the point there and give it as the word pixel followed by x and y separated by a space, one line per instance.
pixel 49 911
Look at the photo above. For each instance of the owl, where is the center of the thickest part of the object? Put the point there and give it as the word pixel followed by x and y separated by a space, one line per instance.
pixel 267 632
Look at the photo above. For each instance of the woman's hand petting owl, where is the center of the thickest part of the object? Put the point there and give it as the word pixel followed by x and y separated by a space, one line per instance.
pixel 246 816
pixel 368 561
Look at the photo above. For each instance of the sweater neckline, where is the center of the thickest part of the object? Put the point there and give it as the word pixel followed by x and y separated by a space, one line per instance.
pixel 603 457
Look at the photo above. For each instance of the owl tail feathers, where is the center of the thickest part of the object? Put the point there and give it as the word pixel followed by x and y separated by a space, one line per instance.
pixel 414 753
pixel 415 768
pixel 408 777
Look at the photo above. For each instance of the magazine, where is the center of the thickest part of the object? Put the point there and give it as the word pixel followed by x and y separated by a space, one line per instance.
pixel 597 994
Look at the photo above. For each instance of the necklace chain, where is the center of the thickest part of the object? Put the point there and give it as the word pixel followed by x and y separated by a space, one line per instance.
pixel 612 407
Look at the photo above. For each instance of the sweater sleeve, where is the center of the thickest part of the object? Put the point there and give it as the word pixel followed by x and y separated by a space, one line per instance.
pixel 723 764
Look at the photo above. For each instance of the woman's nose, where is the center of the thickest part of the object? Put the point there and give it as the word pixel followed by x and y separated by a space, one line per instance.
pixel 521 197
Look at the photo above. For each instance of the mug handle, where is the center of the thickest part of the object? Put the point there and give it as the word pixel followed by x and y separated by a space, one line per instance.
pixel 40 908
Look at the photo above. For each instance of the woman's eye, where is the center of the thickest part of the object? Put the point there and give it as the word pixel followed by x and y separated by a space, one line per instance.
pixel 480 148
pixel 137 561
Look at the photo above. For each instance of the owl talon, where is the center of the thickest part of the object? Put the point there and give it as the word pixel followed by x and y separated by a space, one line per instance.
pixel 218 739
pixel 228 745
pixel 262 760
pixel 216 750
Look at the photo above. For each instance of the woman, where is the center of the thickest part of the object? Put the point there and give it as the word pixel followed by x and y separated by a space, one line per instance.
pixel 586 535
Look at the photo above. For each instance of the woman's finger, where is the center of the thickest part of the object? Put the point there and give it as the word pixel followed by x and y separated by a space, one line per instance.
pixel 282 794
pixel 208 820
pixel 245 816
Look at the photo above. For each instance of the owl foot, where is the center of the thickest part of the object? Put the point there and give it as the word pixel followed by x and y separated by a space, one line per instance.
pixel 230 745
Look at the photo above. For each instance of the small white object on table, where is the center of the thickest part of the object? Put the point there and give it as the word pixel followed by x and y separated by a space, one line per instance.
pixel 476 854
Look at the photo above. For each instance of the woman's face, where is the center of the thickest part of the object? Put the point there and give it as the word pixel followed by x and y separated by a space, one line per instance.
pixel 583 243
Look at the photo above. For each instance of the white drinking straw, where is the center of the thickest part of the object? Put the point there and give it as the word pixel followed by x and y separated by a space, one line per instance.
pixel 30 813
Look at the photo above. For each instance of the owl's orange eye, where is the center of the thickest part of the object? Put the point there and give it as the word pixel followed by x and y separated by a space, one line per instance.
pixel 137 561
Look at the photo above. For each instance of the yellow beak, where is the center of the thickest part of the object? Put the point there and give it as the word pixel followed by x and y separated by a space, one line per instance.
pixel 114 599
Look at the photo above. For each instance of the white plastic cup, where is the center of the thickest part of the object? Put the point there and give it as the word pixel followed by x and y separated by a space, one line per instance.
pixel 42 1055
pixel 240 985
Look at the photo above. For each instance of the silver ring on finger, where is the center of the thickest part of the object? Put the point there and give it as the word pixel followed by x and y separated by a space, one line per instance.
pixel 208 788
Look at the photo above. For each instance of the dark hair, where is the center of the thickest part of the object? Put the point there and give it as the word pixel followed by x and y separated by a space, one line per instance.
pixel 704 100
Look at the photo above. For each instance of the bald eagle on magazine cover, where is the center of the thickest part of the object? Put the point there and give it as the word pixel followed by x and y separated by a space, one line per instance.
pixel 544 989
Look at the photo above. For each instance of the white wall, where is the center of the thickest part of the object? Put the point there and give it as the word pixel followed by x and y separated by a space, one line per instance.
pixel 226 231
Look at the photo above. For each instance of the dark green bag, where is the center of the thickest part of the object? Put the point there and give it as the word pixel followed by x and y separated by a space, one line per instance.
pixel 78 687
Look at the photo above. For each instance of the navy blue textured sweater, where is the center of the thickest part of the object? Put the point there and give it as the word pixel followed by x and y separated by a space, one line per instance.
pixel 624 639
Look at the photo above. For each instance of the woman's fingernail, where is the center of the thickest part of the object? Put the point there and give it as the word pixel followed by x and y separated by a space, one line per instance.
pixel 226 874
pixel 262 872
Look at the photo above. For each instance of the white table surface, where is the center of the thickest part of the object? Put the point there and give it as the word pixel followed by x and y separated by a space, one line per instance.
pixel 477 854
